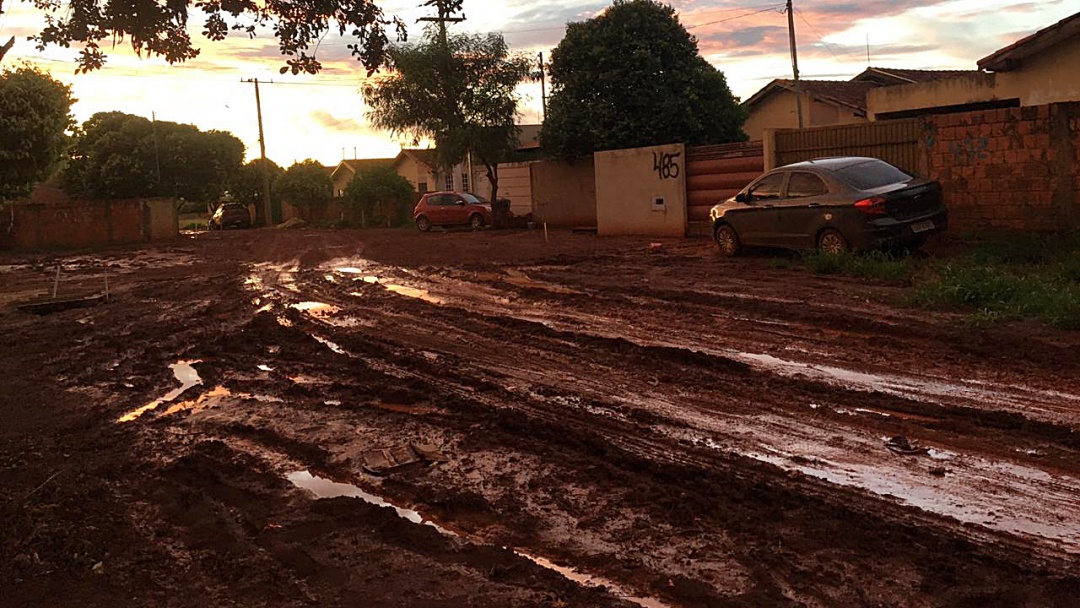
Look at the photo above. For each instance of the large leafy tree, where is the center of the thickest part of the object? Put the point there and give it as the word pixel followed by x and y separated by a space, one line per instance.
pixel 380 195
pixel 306 185
pixel 632 77
pixel 35 115
pixel 461 95
pixel 246 185
pixel 160 27
pixel 119 155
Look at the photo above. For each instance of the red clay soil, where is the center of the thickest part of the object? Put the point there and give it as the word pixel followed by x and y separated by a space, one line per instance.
pixel 620 424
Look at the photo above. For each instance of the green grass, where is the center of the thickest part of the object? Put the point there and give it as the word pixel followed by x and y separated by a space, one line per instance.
pixel 872 265
pixel 1022 277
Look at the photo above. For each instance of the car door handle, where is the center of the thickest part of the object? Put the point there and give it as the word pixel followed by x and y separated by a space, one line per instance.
pixel 814 205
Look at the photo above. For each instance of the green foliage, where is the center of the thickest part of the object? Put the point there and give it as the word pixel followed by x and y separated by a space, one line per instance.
pixel 246 185
pixel 161 28
pixel 462 97
pixel 381 196
pixel 869 265
pixel 35 113
pixel 1020 277
pixel 1001 293
pixel 119 155
pixel 632 77
pixel 306 185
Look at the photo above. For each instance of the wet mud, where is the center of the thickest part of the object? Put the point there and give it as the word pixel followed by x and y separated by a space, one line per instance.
pixel 616 425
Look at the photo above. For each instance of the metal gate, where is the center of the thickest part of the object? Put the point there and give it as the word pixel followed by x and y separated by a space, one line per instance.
pixel 714 173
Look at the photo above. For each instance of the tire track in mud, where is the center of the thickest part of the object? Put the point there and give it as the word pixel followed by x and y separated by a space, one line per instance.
pixel 442 333
pixel 860 472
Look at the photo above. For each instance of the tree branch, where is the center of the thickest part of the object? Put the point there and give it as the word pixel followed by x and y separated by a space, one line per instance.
pixel 7 46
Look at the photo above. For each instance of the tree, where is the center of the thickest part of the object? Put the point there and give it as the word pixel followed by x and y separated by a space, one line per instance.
pixel 160 29
pixel 35 114
pixel 306 185
pixel 119 155
pixel 380 195
pixel 246 185
pixel 632 77
pixel 462 96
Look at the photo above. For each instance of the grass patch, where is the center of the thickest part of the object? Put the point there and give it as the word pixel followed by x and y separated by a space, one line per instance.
pixel 871 265
pixel 1019 278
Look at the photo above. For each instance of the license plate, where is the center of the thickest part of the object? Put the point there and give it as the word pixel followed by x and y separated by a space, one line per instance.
pixel 922 226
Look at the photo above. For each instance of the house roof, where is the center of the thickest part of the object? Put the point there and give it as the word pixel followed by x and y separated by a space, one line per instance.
pixel 355 165
pixel 896 76
pixel 837 92
pixel 1010 57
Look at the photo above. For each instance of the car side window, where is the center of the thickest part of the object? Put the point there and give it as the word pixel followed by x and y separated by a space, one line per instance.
pixel 768 188
pixel 802 185
pixel 439 200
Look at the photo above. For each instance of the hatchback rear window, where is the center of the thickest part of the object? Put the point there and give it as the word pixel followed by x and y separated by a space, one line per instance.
pixel 872 174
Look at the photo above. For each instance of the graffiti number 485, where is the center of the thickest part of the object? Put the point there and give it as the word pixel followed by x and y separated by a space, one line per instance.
pixel 666 165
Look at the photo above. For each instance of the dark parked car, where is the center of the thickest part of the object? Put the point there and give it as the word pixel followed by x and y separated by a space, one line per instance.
pixel 449 208
pixel 230 215
pixel 832 204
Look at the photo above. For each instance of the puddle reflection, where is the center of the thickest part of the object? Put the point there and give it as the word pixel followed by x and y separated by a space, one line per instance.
pixel 325 488
pixel 184 373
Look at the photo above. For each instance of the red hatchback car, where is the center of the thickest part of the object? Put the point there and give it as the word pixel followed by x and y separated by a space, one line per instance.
pixel 451 208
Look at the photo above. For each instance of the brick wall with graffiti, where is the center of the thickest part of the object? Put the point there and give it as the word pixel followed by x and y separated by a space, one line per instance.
pixel 1013 168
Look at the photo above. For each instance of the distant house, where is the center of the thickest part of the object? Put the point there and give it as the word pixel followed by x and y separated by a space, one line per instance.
pixel 828 102
pixel 824 102
pixel 1039 69
pixel 343 173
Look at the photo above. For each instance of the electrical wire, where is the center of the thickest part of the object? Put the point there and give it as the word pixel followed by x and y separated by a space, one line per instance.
pixel 773 7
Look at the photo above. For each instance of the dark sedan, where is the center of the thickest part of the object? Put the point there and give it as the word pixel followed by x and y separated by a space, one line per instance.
pixel 831 204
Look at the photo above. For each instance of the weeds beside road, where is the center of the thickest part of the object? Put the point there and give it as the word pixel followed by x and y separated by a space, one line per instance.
pixel 1028 278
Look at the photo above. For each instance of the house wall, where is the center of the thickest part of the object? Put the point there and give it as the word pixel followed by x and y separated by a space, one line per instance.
pixel 564 194
pixel 641 191
pixel 1049 77
pixel 79 224
pixel 417 173
pixel 777 111
pixel 515 183
pixel 341 179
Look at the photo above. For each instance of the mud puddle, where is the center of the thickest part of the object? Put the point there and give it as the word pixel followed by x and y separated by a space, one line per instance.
pixel 323 488
pixel 184 373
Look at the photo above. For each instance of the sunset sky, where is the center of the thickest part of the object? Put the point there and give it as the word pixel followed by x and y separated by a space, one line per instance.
pixel 322 117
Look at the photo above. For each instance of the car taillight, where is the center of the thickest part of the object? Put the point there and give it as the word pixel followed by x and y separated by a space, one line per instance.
pixel 874 205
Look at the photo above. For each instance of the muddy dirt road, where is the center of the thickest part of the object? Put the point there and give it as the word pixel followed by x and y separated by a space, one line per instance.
pixel 268 418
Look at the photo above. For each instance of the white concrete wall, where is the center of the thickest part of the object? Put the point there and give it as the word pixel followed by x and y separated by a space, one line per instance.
pixel 641 191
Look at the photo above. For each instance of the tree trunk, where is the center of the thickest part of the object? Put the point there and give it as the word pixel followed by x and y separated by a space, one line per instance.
pixel 7 47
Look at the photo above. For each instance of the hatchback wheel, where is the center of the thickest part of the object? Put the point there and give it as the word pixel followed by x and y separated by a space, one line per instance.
pixel 476 221
pixel 727 240
pixel 423 223
pixel 832 242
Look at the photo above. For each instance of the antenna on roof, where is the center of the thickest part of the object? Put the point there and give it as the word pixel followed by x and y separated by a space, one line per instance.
pixel 867 49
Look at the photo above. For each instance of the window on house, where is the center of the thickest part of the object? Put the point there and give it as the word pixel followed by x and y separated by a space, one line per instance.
pixel 421 187
pixel 449 182
pixel 464 181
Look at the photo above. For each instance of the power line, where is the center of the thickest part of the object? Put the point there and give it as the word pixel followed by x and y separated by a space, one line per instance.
pixel 821 39
pixel 766 10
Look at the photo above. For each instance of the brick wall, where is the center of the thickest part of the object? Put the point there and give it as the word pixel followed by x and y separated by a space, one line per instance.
pixel 80 224
pixel 1008 169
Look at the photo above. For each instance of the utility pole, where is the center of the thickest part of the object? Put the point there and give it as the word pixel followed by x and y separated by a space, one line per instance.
pixel 157 157
pixel 445 9
pixel 543 89
pixel 794 62
pixel 268 213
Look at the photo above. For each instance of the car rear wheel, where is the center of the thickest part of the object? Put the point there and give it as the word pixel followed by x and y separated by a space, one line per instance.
pixel 832 242
pixel 727 240
pixel 476 221
pixel 423 223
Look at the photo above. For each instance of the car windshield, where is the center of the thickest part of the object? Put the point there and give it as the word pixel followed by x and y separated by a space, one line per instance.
pixel 472 199
pixel 872 174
